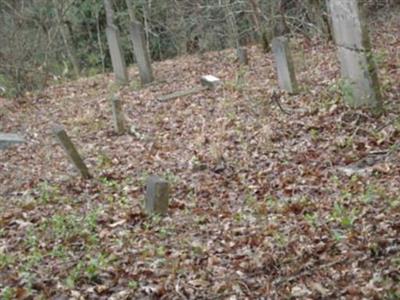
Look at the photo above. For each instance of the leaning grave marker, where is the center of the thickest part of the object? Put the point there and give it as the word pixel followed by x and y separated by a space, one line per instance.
pixel 117 57
pixel 141 52
pixel 284 65
pixel 71 151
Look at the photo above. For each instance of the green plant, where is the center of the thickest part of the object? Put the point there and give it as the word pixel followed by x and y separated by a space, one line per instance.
pixel 312 218
pixel 6 260
pixel 59 251
pixel 8 293
pixel 344 216
pixel 338 235
pixel 35 257
pixel 171 177
pixel 47 192
pixel 135 85
pixel 372 193
pixel 240 80
pixel 91 220
pixel 74 275
pixel 379 57
pixel 64 226
pixel 280 239
pixel 133 284
pixel 104 161
pixel 314 133
pixel 160 251
pixel 31 239
pixel 249 199
pixel 346 91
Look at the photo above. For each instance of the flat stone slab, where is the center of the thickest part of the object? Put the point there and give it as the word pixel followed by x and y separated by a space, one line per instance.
pixel 9 139
pixel 210 81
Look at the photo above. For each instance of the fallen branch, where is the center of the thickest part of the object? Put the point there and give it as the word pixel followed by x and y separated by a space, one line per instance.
pixel 208 82
pixel 276 98
pixel 181 94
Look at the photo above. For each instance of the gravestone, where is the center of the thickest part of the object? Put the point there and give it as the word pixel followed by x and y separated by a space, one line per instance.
pixel 141 52
pixel 354 50
pixel 118 115
pixel 210 82
pixel 157 195
pixel 242 56
pixel 284 65
pixel 117 57
pixel 9 139
pixel 71 151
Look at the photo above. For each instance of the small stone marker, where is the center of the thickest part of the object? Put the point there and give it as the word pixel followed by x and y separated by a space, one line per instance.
pixel 284 65
pixel 355 54
pixel 157 195
pixel 70 149
pixel 210 81
pixel 141 52
pixel 242 56
pixel 118 115
pixel 117 57
pixel 8 139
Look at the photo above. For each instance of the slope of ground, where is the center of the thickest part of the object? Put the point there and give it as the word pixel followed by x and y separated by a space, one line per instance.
pixel 265 203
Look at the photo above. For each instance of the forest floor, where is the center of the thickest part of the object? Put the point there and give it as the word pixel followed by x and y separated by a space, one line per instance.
pixel 264 204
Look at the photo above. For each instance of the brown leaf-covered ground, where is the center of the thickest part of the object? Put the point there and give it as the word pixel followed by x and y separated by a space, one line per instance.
pixel 264 204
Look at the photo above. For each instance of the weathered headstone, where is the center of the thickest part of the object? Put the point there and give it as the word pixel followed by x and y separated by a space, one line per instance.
pixel 8 139
pixel 357 66
pixel 118 115
pixel 284 65
pixel 157 195
pixel 117 57
pixel 242 55
pixel 71 151
pixel 141 52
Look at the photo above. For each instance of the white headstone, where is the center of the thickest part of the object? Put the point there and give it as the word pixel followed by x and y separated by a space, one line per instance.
pixel 210 81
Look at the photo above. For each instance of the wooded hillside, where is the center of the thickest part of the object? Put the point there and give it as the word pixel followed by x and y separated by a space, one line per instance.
pixel 238 173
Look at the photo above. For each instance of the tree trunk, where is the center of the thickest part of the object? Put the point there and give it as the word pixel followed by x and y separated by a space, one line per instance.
pixel 66 36
pixel 255 17
pixel 131 11
pixel 233 28
pixel 319 18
